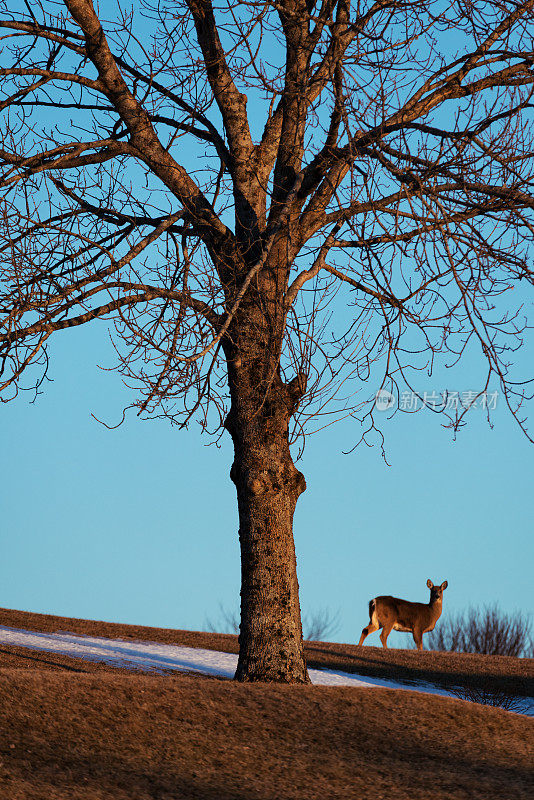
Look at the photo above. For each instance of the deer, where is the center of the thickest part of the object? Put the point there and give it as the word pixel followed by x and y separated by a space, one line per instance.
pixel 392 613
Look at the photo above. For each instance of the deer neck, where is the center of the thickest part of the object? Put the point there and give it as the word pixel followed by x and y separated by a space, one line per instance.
pixel 436 607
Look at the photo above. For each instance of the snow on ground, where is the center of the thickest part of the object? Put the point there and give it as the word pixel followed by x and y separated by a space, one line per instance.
pixel 151 656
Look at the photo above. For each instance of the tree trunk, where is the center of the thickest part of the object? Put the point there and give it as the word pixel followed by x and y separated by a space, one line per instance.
pixel 268 487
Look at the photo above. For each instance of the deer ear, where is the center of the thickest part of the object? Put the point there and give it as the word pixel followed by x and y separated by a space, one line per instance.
pixel 444 585
pixel 429 583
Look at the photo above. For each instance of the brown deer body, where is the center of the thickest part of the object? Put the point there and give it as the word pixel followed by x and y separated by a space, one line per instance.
pixel 392 613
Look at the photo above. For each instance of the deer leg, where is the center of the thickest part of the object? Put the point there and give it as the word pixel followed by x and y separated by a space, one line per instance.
pixel 386 630
pixel 366 631
pixel 418 638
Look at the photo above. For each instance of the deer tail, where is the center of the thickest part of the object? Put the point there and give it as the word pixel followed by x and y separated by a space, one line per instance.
pixel 372 610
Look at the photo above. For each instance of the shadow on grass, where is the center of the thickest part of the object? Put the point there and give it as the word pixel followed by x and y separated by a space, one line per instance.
pixel 38 659
pixel 419 670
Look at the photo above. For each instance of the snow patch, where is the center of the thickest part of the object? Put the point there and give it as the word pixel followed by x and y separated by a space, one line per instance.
pixel 155 657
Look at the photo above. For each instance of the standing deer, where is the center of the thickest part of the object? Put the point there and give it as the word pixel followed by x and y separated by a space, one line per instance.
pixel 391 613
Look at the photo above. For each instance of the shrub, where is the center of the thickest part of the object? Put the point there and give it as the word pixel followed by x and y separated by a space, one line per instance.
pixel 316 625
pixel 485 629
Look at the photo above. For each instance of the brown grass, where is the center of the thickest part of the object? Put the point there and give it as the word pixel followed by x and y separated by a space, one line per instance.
pixel 71 729
pixel 503 673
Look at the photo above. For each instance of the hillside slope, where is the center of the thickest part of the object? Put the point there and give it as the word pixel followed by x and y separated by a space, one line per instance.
pixel 138 737
pixel 498 673
pixel 77 730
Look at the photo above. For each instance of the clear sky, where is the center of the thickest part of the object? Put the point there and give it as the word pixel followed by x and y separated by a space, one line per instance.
pixel 139 524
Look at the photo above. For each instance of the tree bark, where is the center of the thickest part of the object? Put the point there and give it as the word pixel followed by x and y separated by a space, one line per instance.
pixel 268 487
pixel 270 638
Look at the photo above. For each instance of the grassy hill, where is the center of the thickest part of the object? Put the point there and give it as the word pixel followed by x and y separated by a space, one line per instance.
pixel 74 729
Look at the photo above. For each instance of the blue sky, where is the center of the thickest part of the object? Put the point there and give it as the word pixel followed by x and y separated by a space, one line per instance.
pixel 139 524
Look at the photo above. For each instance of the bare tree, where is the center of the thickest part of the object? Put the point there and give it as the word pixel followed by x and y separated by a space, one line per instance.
pixel 485 630
pixel 278 208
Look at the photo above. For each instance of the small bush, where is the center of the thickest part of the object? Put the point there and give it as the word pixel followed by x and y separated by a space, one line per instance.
pixel 498 698
pixel 317 625
pixel 486 630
